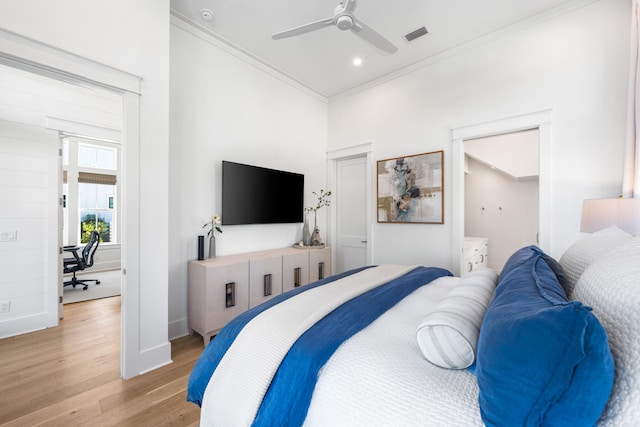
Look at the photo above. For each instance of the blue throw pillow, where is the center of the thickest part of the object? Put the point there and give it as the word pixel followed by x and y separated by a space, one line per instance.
pixel 541 360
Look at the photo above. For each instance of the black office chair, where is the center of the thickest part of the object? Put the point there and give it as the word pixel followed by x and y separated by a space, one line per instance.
pixel 77 263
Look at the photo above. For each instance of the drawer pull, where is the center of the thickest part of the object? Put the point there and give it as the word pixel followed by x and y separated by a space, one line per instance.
pixel 297 272
pixel 230 294
pixel 267 284
pixel 481 258
pixel 321 270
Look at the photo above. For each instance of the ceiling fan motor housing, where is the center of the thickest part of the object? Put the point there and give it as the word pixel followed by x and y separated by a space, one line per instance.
pixel 344 22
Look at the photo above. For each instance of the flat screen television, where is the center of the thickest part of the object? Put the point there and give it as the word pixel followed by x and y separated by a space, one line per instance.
pixel 256 195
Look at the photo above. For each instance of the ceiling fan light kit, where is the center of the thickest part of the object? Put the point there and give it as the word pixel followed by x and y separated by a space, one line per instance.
pixel 344 18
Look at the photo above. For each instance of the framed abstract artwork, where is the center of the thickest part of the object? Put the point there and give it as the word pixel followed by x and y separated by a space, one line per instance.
pixel 411 189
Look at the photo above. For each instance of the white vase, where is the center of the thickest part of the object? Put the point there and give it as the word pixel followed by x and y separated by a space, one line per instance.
pixel 306 234
pixel 212 246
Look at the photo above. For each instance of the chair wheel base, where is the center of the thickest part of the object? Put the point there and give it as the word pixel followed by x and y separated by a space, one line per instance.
pixel 80 282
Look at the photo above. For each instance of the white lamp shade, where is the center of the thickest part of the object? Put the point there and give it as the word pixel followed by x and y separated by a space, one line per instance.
pixel 598 214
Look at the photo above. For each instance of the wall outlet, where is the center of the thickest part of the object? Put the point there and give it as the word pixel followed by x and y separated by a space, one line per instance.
pixel 8 236
pixel 5 306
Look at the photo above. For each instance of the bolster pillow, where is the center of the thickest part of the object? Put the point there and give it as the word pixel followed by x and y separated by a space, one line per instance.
pixel 542 360
pixel 448 336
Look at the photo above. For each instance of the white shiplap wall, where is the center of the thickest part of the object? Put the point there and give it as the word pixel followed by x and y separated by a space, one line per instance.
pixel 29 264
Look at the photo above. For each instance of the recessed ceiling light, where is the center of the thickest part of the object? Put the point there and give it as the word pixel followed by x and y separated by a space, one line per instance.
pixel 357 62
pixel 206 14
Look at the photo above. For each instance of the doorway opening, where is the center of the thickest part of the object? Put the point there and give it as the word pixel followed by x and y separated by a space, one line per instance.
pixel 501 175
pixel 541 121
pixel 91 188
pixel 77 75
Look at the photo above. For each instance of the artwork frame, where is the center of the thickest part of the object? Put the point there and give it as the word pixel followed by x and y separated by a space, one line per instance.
pixel 410 189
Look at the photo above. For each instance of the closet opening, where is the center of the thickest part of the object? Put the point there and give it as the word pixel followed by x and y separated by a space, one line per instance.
pixel 503 138
pixel 501 194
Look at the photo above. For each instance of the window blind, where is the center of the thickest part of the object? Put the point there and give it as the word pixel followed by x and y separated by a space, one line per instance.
pixel 96 178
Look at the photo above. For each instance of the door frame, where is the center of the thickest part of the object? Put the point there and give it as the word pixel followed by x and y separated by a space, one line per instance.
pixel 540 120
pixel 38 58
pixel 333 156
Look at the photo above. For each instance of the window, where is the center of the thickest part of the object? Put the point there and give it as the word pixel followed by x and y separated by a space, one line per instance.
pixel 96 157
pixel 94 194
pixel 90 190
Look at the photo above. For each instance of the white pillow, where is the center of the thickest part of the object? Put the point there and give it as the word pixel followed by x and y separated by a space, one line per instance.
pixel 590 249
pixel 448 337
pixel 611 286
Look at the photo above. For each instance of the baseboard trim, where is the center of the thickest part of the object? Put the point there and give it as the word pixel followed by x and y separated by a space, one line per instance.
pixel 26 324
pixel 178 328
pixel 155 358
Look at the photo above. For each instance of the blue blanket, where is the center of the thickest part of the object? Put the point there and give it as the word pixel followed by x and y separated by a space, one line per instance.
pixel 289 395
pixel 213 353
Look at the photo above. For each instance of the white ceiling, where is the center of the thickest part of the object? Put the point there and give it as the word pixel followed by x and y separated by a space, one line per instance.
pixel 515 154
pixel 322 60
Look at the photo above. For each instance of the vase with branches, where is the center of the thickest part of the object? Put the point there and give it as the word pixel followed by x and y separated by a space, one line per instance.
pixel 322 199
pixel 213 226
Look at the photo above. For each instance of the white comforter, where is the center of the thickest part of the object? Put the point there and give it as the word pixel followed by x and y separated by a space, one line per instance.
pixel 237 391
pixel 379 377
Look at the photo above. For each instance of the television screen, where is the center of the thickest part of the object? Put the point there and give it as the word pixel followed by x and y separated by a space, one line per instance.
pixel 255 195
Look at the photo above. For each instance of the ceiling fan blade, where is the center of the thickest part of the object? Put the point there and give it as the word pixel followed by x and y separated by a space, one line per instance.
pixel 349 6
pixel 303 29
pixel 373 37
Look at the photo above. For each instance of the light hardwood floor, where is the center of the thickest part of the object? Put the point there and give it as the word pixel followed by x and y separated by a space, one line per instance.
pixel 70 376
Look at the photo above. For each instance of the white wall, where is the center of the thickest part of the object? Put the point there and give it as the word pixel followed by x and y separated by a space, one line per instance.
pixel 29 261
pixel 133 37
pixel 576 65
pixel 224 106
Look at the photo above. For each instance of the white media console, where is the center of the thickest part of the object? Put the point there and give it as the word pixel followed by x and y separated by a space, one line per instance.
pixel 223 287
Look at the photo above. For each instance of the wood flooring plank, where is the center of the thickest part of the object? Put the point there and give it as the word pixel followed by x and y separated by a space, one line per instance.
pixel 70 376
pixel 141 386
pixel 170 412
pixel 167 391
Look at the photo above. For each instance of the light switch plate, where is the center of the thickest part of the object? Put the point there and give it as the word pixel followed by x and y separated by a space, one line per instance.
pixel 5 306
pixel 9 236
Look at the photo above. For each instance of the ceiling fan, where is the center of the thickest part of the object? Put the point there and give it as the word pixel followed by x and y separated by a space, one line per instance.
pixel 345 19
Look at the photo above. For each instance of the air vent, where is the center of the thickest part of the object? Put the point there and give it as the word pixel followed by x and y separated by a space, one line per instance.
pixel 422 31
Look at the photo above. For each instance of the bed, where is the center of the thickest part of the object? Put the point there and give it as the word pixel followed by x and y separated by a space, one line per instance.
pixel 543 343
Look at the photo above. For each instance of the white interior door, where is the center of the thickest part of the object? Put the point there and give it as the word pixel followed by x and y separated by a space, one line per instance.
pixel 351 213
pixel 60 232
